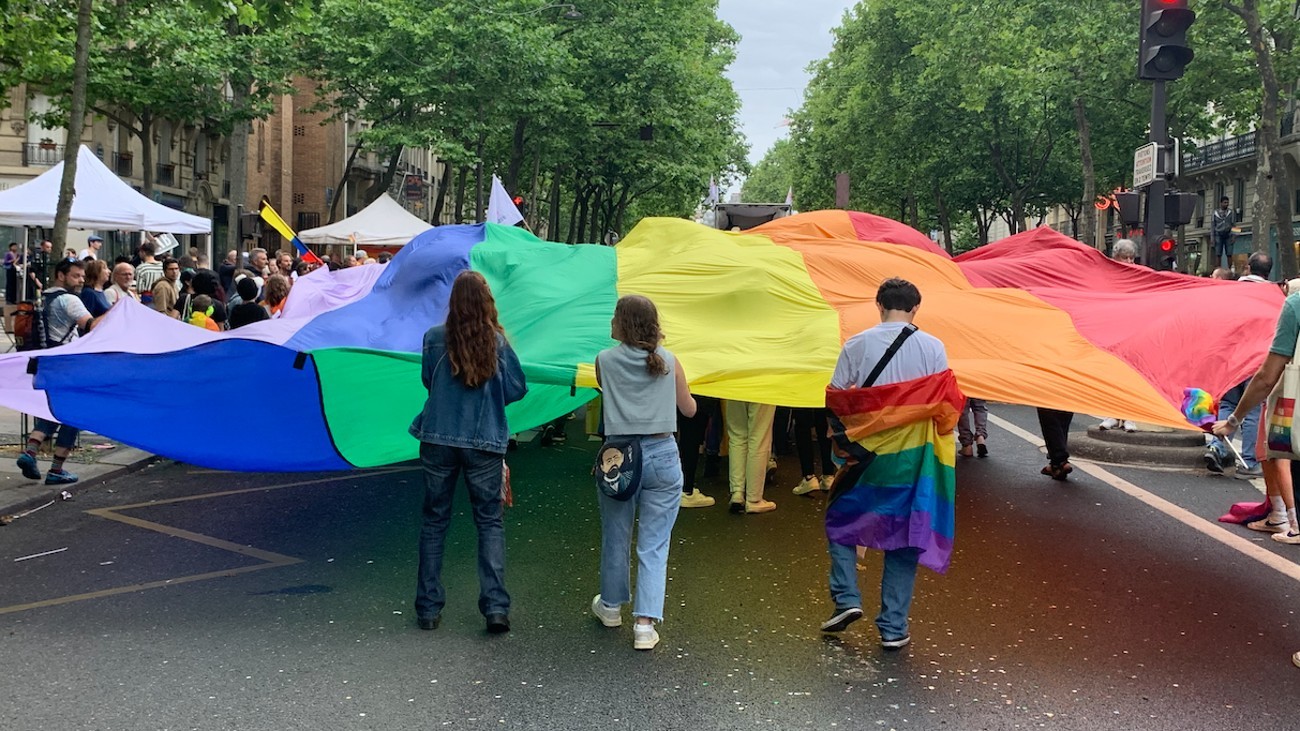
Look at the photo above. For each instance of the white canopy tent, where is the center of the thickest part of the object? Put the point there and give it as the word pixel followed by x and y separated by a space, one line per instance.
pixel 382 223
pixel 103 201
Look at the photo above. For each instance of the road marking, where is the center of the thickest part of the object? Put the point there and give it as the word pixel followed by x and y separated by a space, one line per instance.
pixel 269 560
pixel 38 555
pixel 1192 520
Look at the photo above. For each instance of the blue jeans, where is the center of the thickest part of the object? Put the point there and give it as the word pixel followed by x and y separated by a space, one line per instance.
pixel 896 583
pixel 1249 427
pixel 67 435
pixel 483 476
pixel 658 501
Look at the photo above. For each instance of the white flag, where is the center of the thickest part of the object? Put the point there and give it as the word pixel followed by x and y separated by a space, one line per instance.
pixel 789 197
pixel 713 191
pixel 501 209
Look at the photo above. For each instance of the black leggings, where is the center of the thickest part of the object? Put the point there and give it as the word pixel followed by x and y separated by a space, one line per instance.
pixel 807 421
pixel 690 436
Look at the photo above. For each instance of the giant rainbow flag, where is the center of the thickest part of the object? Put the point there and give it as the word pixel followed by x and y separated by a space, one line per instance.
pixel 1035 319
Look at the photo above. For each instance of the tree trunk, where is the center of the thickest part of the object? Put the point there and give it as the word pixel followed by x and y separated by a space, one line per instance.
pixel 76 122
pixel 913 215
pixel 1087 230
pixel 534 189
pixel 460 193
pixel 440 201
pixel 553 220
pixel 478 183
pixel 343 181
pixel 386 181
pixel 584 200
pixel 145 133
pixel 516 155
pixel 237 168
pixel 594 236
pixel 1272 184
pixel 619 212
pixel 945 217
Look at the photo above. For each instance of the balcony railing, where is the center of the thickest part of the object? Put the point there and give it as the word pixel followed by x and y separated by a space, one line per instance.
pixel 123 164
pixel 164 174
pixel 42 154
pixel 1231 149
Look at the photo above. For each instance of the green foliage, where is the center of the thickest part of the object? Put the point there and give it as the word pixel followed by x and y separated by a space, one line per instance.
pixel 773 176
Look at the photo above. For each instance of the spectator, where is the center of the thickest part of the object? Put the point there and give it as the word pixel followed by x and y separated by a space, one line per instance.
pixel 690 433
pixel 207 282
pixel 148 273
pixel 123 276
pixel 248 310
pixel 277 293
pixel 285 261
pixel 40 266
pixel 643 388
pixel 93 244
pixel 257 263
pixel 66 318
pixel 227 270
pixel 361 256
pixel 468 367
pixel 166 291
pixel 1225 274
pixel 92 290
pixel 1221 223
pixel 349 261
pixel 384 257
pixel 12 266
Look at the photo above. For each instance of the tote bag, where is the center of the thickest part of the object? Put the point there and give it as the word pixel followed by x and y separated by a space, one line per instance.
pixel 1283 438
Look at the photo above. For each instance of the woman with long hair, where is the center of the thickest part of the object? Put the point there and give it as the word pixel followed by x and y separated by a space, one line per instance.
pixel 92 292
pixel 471 373
pixel 643 387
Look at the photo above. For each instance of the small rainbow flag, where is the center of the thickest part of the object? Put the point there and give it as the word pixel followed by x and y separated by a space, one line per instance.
pixel 1200 408
pixel 898 487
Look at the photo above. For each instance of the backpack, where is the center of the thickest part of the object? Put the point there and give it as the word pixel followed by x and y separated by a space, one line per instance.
pixel 32 323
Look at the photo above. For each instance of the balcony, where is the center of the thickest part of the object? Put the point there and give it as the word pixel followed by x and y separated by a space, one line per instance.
pixel 1232 149
pixel 123 164
pixel 42 154
pixel 164 174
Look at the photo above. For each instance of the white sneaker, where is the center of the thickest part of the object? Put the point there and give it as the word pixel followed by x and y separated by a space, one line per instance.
pixel 1269 525
pixel 759 506
pixel 696 499
pixel 1130 426
pixel 827 482
pixel 807 485
pixel 1108 424
pixel 771 464
pixel 644 636
pixel 608 616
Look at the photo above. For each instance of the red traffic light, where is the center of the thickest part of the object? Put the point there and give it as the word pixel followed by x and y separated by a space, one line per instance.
pixel 1167 245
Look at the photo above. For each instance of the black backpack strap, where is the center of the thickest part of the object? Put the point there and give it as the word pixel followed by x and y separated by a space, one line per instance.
pixel 889 355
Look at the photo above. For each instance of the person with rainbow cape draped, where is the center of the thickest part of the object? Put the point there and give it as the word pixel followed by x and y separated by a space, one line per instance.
pixel 894 404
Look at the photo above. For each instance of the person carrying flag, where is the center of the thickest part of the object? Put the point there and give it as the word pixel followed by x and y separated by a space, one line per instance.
pixel 894 405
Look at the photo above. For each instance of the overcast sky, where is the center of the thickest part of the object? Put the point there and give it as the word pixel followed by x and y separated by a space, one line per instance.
pixel 778 39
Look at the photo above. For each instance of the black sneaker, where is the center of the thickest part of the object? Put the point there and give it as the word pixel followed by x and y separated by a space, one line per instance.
pixel 1212 462
pixel 841 619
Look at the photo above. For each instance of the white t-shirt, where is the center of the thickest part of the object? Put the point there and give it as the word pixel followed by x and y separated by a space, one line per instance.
pixel 922 355
pixel 62 316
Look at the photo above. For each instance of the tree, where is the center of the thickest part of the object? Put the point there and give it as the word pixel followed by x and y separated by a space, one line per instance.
pixel 773 176
pixel 76 120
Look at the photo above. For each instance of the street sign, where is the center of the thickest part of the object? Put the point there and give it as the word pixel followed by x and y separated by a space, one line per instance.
pixel 1144 164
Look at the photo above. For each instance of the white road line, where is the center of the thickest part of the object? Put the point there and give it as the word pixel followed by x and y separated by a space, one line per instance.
pixel 1182 515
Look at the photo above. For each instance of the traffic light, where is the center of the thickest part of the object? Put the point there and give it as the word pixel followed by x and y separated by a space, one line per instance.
pixel 522 205
pixel 1167 244
pixel 1179 208
pixel 1130 207
pixel 1163 52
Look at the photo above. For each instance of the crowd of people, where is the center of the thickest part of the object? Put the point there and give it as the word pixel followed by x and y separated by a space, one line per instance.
pixel 72 295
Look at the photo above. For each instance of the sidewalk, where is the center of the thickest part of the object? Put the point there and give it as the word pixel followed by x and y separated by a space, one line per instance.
pixel 96 461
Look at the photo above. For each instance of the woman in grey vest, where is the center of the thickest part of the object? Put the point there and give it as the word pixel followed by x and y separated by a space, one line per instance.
pixel 642 386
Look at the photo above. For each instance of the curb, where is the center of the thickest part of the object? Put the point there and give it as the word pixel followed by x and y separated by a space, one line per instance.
pixel 77 488
pixel 1178 449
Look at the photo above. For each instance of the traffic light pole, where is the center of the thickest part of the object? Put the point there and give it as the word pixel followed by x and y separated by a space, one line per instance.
pixel 1154 230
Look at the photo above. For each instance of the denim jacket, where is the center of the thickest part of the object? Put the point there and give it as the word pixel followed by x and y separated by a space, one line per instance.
pixel 457 416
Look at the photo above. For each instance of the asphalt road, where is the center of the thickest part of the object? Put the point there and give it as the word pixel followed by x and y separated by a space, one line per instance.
pixel 189 599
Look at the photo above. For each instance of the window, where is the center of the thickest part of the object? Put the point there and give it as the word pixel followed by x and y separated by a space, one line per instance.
pixel 1218 194
pixel 1239 196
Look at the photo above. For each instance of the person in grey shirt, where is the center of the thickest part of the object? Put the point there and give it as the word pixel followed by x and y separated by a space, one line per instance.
pixel 66 317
